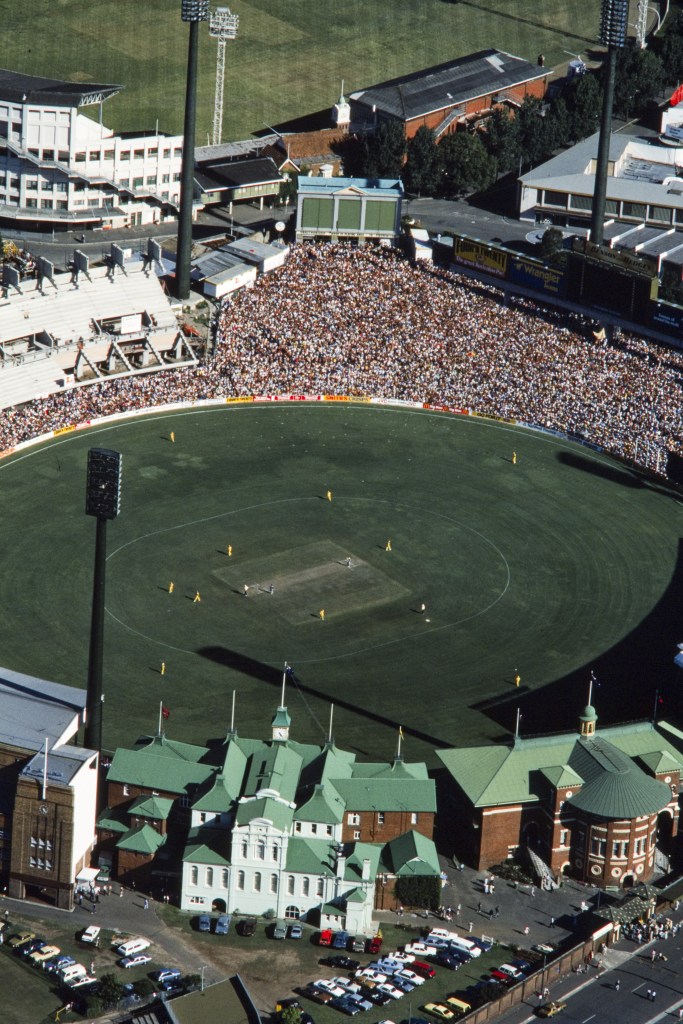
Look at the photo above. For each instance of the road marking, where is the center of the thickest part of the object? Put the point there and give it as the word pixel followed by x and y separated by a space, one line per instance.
pixel 588 1018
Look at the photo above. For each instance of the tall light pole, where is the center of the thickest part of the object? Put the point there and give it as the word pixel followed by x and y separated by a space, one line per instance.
pixel 103 501
pixel 192 11
pixel 613 25
pixel 222 26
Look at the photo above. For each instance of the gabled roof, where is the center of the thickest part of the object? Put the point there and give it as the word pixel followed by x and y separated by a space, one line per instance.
pixel 143 839
pixel 411 854
pixel 273 766
pixel 157 807
pixel 311 856
pixel 354 862
pixel 163 765
pixel 207 846
pixel 562 776
pixel 660 761
pixel 268 809
pixel 388 787
pixel 447 85
pixel 113 819
pixel 325 805
pixel 217 796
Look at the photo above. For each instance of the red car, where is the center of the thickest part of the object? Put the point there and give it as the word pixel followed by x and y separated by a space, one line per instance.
pixel 423 969
pixel 502 976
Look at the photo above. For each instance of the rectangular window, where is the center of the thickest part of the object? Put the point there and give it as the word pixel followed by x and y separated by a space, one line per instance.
pixel 660 214
pixel 380 817
pixel 581 202
pixel 139 154
pixel 636 210
pixel 197 901
pixel 413 818
pixel 177 152
pixel 32 184
pixel 356 835
pixel 138 182
pixel 79 158
pixel 31 204
pixel 353 819
pixel 108 154
pixel 61 186
pixel 598 847
pixel 202 818
pixel 95 155
pixel 563 837
pixel 176 176
pixel 165 178
pixel 297 826
pixel 194 875
pixel 314 829
pixel 124 154
pixel 328 830
pixel 555 199
pixel 151 179
pixel 153 151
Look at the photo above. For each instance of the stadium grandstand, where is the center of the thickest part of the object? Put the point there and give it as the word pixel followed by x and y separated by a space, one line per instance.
pixel 366 322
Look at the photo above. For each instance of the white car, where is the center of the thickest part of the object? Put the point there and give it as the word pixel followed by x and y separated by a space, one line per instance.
pixel 512 972
pixel 91 934
pixel 390 990
pixel 82 979
pixel 403 958
pixel 371 975
pixel 347 985
pixel 421 949
pixel 411 976
pixel 329 986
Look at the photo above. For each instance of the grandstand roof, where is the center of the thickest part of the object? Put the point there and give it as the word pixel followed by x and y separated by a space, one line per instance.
pixel 52 92
pixel 32 710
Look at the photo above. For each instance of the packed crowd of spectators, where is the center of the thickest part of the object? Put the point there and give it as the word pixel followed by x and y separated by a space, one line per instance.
pixel 366 322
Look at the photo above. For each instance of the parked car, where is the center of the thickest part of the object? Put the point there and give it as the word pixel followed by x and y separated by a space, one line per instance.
pixel 403 958
pixel 421 949
pixel 325 937
pixel 222 924
pixel 356 944
pixel 439 1010
pixel 423 969
pixel 361 1002
pixel 31 947
pixel 90 934
pixel 166 974
pixel 370 974
pixel 20 939
pixel 404 984
pixel 390 990
pixel 342 963
pixel 374 944
pixel 544 947
pixel 511 971
pixel 204 923
pixel 411 976
pixel 346 1005
pixel 379 998
pixel 137 944
pixel 503 978
pixel 280 930
pixel 38 956
pixel 447 960
pixel 318 995
pixel 135 960
pixel 295 931
pixel 247 927
pixel 340 940
pixel 81 980
pixel 57 963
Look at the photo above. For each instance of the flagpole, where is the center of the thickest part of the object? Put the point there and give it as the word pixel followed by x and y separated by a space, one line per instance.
pixel 45 771
pixel 284 677
pixel 232 713
pixel 654 710
pixel 161 707
pixel 400 734
pixel 519 716
pixel 329 734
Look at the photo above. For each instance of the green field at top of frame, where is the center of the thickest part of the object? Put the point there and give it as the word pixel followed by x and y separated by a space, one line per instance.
pixel 541 567
pixel 289 58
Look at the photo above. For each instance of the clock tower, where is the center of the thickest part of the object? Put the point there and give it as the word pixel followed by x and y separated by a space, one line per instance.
pixel 281 722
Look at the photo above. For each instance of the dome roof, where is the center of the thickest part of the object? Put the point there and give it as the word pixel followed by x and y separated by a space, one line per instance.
pixel 614 788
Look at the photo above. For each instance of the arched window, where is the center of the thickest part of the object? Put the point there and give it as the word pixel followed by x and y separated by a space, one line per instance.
pixel 224 878
pixel 290 885
pixel 245 850
pixel 209 876
pixel 276 851
pixel 240 879
pixel 257 881
pixel 194 875
pixel 292 913
pixel 261 851
pixel 305 886
pixel 320 890
pixel 273 883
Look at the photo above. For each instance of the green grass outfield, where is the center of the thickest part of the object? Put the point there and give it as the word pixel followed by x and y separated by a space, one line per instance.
pixel 558 564
pixel 289 58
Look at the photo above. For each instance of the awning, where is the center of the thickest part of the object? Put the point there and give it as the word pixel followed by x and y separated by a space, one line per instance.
pixel 87 875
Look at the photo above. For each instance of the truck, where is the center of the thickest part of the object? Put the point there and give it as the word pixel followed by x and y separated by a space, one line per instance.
pixel 325 937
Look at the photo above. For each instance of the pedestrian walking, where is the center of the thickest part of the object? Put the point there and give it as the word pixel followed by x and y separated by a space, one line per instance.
pixel 479 907
pixel 518 678
pixel 680 1012
pixel 491 914
pixel 92 966
pixel 321 614
pixel 546 992
pixel 471 927
pixel 532 891
pixel 526 929
pixel 348 563
pixel 497 911
pixel 648 994
pixel 173 437
pixel 328 495
pixel 423 608
pixel 120 892
pixel 458 909
pixel 387 546
pixel 229 550
pixel 271 589
pixel 162 670
pixel 171 587
pixel 197 598
pixel 92 909
pixel 514 458
pixel 653 996
pixel 617 984
pixel 552 922
pixel 145 905
pixel 245 589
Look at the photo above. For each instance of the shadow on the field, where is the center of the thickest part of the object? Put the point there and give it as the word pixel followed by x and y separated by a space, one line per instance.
pixel 634 680
pixel 273 676
pixel 614 473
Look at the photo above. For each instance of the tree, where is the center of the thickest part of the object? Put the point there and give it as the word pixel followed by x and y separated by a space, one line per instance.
pixel 290 1015
pixel 382 154
pixel 639 77
pixel 110 991
pixel 531 131
pixel 583 97
pixel 556 123
pixel 467 166
pixel 423 170
pixel 551 244
pixel 502 139
pixel 669 47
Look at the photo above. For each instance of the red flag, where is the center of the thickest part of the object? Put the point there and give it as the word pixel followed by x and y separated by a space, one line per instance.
pixel 165 712
pixel 677 96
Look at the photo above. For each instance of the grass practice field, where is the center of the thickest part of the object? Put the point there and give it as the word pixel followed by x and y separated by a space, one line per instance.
pixel 289 58
pixel 561 563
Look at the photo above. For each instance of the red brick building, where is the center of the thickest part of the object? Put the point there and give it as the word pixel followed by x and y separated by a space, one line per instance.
pixel 449 96
pixel 596 806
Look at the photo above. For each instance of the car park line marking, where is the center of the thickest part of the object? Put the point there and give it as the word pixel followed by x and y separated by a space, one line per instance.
pixel 588 1018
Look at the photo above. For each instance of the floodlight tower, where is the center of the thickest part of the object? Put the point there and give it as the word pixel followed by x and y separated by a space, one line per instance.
pixel 641 24
pixel 192 11
pixel 613 25
pixel 222 26
pixel 103 501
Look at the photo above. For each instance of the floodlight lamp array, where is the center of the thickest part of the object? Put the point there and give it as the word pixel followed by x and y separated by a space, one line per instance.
pixel 223 24
pixel 614 22
pixel 194 10
pixel 103 487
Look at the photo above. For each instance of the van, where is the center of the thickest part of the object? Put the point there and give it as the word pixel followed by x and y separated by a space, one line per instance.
pixel 459 1006
pixel 462 945
pixel 135 945
pixel 71 972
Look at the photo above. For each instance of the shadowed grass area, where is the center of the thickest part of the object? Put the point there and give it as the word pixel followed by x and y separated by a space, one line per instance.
pixel 541 568
pixel 288 60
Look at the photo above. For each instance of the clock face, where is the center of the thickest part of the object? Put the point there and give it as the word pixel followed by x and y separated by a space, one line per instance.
pixel 279 733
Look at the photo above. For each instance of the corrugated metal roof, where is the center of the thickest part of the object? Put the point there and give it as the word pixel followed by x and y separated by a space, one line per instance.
pixel 448 85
